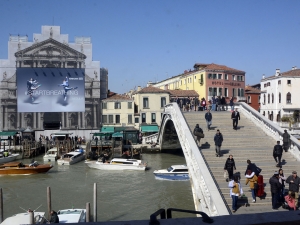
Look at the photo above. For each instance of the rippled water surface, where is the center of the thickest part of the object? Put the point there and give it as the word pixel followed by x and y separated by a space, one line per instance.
pixel 128 195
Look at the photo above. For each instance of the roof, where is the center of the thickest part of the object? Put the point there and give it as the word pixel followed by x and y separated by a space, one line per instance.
pixel 252 90
pixel 290 73
pixel 216 67
pixel 183 93
pixel 115 97
pixel 152 89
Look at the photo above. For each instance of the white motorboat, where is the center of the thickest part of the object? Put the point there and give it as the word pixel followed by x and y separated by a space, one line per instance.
pixel 118 164
pixel 71 215
pixel 72 157
pixel 51 155
pixel 10 157
pixel 174 172
pixel 24 218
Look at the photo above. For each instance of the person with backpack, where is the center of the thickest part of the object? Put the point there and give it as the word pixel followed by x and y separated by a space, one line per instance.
pixel 198 132
pixel 252 178
pixel 218 142
pixel 253 168
pixel 277 153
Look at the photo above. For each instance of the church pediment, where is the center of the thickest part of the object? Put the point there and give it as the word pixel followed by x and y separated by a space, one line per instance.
pixel 49 48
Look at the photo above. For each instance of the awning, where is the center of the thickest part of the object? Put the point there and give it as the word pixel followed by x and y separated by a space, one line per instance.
pixel 7 133
pixel 149 128
pixel 118 134
pixel 61 134
pixel 100 134
pixel 108 129
pixel 118 129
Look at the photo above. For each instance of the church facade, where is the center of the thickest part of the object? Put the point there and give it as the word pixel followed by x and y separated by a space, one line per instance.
pixel 51 49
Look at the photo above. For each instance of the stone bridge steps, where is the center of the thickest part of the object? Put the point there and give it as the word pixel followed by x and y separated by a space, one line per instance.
pixel 248 142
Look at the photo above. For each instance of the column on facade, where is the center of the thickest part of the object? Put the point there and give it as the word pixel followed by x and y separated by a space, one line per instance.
pixel 5 117
pixel 67 120
pixel 62 120
pixel 39 121
pixel 22 120
pixel 79 120
pixel 82 120
pixel 34 120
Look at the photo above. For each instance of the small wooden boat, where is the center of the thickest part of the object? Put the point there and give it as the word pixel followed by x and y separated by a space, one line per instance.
pixel 13 168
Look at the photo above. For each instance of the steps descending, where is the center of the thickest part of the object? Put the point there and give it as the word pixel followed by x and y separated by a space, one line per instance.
pixel 247 142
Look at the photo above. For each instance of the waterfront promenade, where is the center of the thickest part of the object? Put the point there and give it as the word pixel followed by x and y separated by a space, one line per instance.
pixel 248 142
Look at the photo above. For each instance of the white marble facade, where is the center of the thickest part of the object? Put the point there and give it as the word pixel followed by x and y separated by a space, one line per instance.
pixel 44 51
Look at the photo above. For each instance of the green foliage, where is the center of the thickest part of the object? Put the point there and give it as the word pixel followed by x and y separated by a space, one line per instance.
pixel 285 119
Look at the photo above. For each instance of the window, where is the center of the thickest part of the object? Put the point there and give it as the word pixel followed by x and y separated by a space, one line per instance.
pixel 272 98
pixel 129 119
pixel 289 82
pixel 233 92
pixel 264 98
pixel 129 105
pixel 268 84
pixel 181 82
pixel 110 119
pixel 136 120
pixel 163 102
pixel 153 118
pixel 233 77
pixel 214 76
pixel 104 105
pixel 279 97
pixel 264 113
pixel 210 91
pixel 145 103
pixel 195 77
pixel 249 99
pixel 288 98
pixel 143 117
pixel 117 105
pixel 268 98
pixel 226 76
pixel 242 92
pixel 259 99
pixel 226 92
pixel 117 118
pixel 201 79
pixel 209 76
pixel 239 92
pixel 279 82
pixel 219 76
pixel 104 118
pixel 220 91
pixel 265 85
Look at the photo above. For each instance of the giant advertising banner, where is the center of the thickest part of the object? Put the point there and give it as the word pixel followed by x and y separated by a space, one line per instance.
pixel 50 90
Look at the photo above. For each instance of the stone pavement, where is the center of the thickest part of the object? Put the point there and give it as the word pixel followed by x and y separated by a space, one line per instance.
pixel 248 142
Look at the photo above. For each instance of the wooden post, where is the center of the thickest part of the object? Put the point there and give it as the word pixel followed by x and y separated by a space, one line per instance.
pixel 31 217
pixel 95 202
pixel 49 201
pixel 1 206
pixel 88 212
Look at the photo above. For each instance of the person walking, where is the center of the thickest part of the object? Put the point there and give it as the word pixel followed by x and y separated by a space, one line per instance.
pixel 198 132
pixel 231 103
pixel 219 104
pixel 224 105
pixel 282 180
pixel 235 116
pixel 251 166
pixel 294 182
pixel 286 140
pixel 277 153
pixel 275 189
pixel 218 142
pixel 213 102
pixel 196 103
pixel 252 178
pixel 235 191
pixel 208 118
pixel 230 167
pixel 203 103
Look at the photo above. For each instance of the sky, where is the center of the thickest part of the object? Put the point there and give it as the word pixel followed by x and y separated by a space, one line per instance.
pixel 151 40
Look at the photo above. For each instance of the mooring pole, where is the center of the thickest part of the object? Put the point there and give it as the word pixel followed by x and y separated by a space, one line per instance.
pixel 1 206
pixel 88 212
pixel 31 217
pixel 49 201
pixel 95 202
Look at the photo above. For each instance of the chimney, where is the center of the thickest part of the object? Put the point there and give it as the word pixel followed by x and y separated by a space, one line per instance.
pixel 294 67
pixel 139 88
pixel 277 72
pixel 263 76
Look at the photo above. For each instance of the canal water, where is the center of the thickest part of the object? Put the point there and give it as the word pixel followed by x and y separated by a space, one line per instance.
pixel 121 195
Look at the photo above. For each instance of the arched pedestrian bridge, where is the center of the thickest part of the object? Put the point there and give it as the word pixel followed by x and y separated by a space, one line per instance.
pixel 253 140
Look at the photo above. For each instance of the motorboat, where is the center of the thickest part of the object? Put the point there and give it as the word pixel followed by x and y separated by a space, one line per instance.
pixel 71 215
pixel 10 157
pixel 72 157
pixel 24 218
pixel 174 172
pixel 18 168
pixel 118 164
pixel 51 155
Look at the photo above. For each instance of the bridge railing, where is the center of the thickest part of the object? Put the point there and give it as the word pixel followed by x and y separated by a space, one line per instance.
pixel 270 128
pixel 207 196
pixel 150 139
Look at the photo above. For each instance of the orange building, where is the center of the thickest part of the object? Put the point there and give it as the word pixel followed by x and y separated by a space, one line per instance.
pixel 252 94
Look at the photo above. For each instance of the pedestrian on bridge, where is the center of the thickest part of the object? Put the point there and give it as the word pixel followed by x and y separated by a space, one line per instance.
pixel 275 189
pixel 218 142
pixel 208 118
pixel 286 140
pixel 277 153
pixel 235 116
pixel 235 191
pixel 198 132
pixel 294 183
pixel 230 167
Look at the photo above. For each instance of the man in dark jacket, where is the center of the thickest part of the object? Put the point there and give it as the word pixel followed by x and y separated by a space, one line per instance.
pixel 277 153
pixel 235 116
pixel 218 142
pixel 196 132
pixel 208 118
pixel 275 188
pixel 294 182
pixel 54 217
pixel 252 167
pixel 286 140
pixel 230 167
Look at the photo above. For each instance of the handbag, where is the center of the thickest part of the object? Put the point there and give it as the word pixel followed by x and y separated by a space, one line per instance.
pixel 199 134
pixel 258 170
